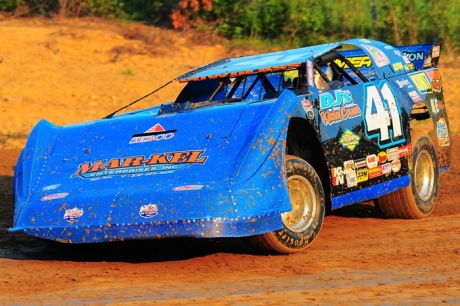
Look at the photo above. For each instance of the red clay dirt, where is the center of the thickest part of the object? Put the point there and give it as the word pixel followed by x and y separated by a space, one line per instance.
pixel 77 70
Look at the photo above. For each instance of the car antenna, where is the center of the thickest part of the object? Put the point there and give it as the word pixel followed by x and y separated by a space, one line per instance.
pixel 141 98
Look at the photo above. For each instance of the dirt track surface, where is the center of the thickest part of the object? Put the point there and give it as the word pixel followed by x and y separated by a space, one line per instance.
pixel 359 258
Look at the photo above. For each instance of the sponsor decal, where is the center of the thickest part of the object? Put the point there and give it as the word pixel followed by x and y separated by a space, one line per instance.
pixel 360 163
pixel 421 81
pixel 402 83
pixel 436 105
pixel 51 187
pixel 398 66
pixel 310 73
pixel 351 179
pixel 377 55
pixel 443 133
pixel 415 56
pixel 427 62
pixel 153 134
pixel 357 61
pixel 188 187
pixel 349 166
pixel 386 168
pixel 148 211
pixel 362 175
pixel 396 165
pixel 375 172
pixel 435 77
pixel 71 215
pixel 405 150
pixel 409 67
pixel 414 96
pixel 338 107
pixel 308 107
pixel 372 161
pixel 55 196
pixel 405 59
pixel 392 154
pixel 136 165
pixel 436 51
pixel 337 174
pixel 382 156
pixel 349 140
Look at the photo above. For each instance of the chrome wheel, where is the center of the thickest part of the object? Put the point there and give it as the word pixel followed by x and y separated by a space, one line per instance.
pixel 303 201
pixel 424 175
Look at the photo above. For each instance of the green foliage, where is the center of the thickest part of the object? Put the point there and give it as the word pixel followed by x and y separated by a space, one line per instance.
pixel 127 72
pixel 7 5
pixel 290 23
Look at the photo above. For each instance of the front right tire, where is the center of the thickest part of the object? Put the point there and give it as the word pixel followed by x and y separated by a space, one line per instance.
pixel 303 223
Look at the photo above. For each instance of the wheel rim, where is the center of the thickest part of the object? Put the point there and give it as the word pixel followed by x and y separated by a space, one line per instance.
pixel 304 203
pixel 424 175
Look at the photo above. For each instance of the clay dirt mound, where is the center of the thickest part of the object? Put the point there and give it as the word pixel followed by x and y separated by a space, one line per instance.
pixel 78 70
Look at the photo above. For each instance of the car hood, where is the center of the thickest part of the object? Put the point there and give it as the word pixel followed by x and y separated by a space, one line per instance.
pixel 209 162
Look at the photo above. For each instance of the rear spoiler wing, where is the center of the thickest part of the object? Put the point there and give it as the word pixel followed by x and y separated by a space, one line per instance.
pixel 423 55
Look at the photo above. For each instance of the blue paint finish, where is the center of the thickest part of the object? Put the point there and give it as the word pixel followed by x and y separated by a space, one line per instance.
pixel 212 163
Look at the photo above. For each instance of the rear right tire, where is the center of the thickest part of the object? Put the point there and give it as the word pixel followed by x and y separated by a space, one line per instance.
pixel 417 200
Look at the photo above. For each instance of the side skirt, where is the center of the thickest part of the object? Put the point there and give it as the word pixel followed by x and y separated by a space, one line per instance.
pixel 370 193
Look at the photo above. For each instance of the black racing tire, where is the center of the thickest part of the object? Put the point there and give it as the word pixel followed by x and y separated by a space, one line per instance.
pixel 303 223
pixel 417 200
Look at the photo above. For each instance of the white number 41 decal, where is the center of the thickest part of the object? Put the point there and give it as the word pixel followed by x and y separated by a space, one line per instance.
pixel 382 115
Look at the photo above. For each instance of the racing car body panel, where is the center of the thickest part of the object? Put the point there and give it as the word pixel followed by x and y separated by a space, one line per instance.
pixel 212 163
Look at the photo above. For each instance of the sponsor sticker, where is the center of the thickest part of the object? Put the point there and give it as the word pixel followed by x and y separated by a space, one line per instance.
pixel 360 163
pixel 71 215
pixel 382 156
pixel 406 59
pixel 436 106
pixel 375 172
pixel 310 73
pixel 414 96
pixel 404 83
pixel 398 66
pixel 357 61
pixel 308 107
pixel 396 165
pixel 421 81
pixel 51 187
pixel 442 133
pixel 415 56
pixel 377 55
pixel 405 150
pixel 148 211
pixel 337 175
pixel 351 179
pixel 137 165
pixel 436 51
pixel 386 168
pixel 372 161
pixel 392 154
pixel 55 196
pixel 349 166
pixel 362 175
pixel 157 128
pixel 349 140
pixel 188 187
pixel 337 106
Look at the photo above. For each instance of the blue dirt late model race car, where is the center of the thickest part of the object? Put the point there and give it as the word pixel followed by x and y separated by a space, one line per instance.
pixel 258 146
